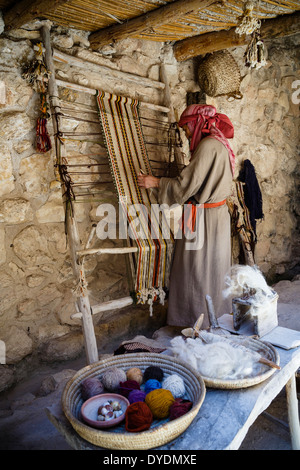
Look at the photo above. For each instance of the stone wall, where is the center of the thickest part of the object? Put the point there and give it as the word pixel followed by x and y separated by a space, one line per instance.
pixel 266 124
pixel 36 276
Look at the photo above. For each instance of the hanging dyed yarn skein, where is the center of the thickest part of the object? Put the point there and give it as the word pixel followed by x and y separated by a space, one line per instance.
pixel 37 75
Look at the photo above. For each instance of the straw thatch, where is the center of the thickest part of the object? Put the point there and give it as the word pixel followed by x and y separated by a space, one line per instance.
pixel 92 15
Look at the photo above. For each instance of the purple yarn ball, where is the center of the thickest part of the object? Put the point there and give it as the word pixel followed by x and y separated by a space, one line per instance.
pixel 136 395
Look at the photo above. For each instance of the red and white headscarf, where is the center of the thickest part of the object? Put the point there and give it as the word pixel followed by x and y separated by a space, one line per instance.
pixel 204 121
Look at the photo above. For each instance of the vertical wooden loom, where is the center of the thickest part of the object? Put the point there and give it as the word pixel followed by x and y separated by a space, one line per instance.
pixel 85 310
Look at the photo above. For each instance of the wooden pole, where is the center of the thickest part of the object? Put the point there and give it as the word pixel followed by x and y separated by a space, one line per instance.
pixel 168 103
pixel 72 229
pixel 285 25
pixel 152 19
pixel 109 305
pixel 87 65
pixel 93 91
pixel 103 251
pixel 26 10
pixel 293 412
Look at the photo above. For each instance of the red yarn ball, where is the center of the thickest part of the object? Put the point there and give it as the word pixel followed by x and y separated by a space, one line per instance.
pixel 179 408
pixel 138 417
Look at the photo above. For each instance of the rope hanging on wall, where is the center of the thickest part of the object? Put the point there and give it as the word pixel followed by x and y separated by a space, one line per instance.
pixel 248 22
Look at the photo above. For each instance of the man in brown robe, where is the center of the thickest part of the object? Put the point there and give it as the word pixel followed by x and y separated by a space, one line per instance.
pixel 199 269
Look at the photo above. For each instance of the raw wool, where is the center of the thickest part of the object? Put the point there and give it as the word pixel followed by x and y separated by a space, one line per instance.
pixel 247 281
pixel 182 350
pixel 175 384
pixel 218 360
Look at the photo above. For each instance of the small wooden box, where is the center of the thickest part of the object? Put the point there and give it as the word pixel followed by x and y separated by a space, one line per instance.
pixel 263 318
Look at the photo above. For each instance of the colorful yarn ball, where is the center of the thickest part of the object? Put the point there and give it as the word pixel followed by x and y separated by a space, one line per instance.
pixel 175 384
pixel 151 384
pixel 136 395
pixel 126 387
pixel 153 372
pixel 135 374
pixel 179 408
pixel 138 417
pixel 112 377
pixel 159 402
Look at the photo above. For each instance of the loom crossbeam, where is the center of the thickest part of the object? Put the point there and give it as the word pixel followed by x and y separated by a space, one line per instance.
pixel 106 306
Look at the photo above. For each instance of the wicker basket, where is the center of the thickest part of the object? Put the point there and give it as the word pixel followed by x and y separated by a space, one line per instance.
pixel 118 438
pixel 219 75
pixel 267 351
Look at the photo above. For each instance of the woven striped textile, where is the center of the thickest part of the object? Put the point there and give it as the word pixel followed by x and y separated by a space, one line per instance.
pixel 123 136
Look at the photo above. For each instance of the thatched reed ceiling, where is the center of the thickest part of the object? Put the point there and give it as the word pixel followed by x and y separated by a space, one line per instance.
pixel 95 15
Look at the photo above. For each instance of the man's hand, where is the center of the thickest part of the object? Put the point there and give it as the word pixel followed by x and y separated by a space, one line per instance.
pixel 147 181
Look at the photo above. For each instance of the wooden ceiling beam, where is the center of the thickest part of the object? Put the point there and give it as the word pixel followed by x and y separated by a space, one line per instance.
pixel 285 25
pixel 164 15
pixel 27 10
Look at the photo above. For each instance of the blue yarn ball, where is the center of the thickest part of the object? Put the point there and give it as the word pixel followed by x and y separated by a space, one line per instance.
pixel 151 384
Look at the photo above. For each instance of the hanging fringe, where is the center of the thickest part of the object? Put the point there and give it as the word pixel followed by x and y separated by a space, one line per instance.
pixel 149 296
pixel 43 142
pixel 255 53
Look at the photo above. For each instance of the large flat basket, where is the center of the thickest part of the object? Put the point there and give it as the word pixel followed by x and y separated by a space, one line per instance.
pixel 161 431
pixel 267 351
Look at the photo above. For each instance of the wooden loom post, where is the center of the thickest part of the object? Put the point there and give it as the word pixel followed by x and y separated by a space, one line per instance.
pixel 168 104
pixel 72 229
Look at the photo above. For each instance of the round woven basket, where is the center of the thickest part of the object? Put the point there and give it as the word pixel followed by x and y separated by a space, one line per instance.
pixel 267 351
pixel 219 75
pixel 118 438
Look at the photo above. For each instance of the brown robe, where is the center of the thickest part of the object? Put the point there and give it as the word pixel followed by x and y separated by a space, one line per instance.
pixel 198 272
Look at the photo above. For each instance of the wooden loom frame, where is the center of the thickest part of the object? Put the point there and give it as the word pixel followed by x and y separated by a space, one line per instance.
pixel 85 310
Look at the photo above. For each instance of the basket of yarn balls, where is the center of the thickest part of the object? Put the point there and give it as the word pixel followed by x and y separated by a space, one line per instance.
pixel 159 389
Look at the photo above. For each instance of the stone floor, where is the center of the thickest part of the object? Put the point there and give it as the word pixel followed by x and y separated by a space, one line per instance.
pixel 25 426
